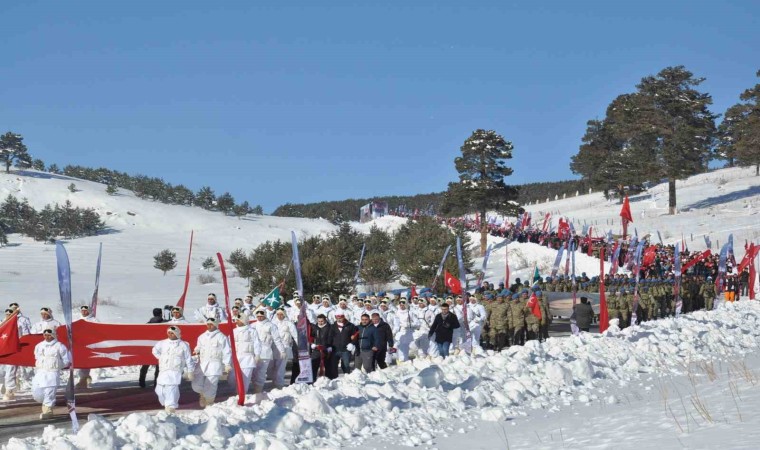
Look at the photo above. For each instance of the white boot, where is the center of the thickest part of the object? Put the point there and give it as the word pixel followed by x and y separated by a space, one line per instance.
pixel 210 400
pixel 202 401
pixel 169 410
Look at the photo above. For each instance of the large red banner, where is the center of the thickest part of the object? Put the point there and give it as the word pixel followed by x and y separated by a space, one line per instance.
pixel 98 345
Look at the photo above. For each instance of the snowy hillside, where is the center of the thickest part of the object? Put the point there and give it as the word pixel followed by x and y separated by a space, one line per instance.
pixel 718 203
pixel 715 204
pixel 138 229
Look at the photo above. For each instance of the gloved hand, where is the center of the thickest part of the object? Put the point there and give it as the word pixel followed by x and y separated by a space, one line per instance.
pixel 189 376
pixel 350 347
pixel 329 349
pixel 313 346
pixel 392 350
pixel 227 369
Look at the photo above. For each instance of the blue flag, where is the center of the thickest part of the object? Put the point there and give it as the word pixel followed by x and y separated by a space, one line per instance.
pixel 64 288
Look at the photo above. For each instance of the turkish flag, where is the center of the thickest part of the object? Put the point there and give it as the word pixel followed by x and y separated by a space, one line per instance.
pixel 650 253
pixel 9 342
pixel 98 345
pixel 535 308
pixel 452 283
pixel 413 292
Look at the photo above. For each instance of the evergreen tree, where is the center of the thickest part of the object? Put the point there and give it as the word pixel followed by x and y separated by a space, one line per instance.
pixel 73 188
pixel 271 260
pixel 481 188
pixel 418 247
pixel 740 130
pixel 241 209
pixel 111 189
pixel 14 152
pixel 225 202
pixel 378 267
pixel 180 195
pixel 53 168
pixel 3 237
pixel 258 210
pixel 38 164
pixel 165 260
pixel 209 263
pixel 205 198
pixel 670 116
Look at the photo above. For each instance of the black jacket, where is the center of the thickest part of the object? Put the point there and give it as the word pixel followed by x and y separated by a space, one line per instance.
pixel 155 319
pixel 384 335
pixel 341 338
pixel 320 337
pixel 444 328
pixel 584 315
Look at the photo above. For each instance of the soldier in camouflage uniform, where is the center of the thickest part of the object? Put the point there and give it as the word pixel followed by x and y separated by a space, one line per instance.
pixel 546 317
pixel 498 324
pixel 549 286
pixel 708 292
pixel 517 320
pixel 612 305
pixel 532 323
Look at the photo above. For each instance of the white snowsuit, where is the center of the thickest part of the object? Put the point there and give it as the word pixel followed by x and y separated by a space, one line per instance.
pixel 248 348
pixel 204 312
pixel 42 325
pixel 214 352
pixel 406 324
pixel 288 335
pixel 269 336
pixel 476 315
pixel 50 358
pixel 174 358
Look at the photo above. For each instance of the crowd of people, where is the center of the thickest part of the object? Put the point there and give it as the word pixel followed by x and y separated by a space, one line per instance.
pixel 359 332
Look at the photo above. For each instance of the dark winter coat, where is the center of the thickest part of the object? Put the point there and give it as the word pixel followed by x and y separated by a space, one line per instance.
pixel 384 336
pixel 367 337
pixel 321 337
pixel 341 338
pixel 444 327
pixel 584 315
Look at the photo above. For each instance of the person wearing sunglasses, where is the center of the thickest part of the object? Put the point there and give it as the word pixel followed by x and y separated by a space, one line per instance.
pixel 174 358
pixel 50 358
pixel 214 360
pixel 46 322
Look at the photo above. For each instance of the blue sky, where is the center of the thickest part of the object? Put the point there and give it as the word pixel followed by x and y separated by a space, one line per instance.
pixel 298 102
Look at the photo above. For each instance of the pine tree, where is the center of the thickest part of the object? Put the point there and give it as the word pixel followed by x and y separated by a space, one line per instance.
pixel 111 189
pixel 740 130
pixel 205 198
pixel 165 260
pixel 53 168
pixel 418 247
pixel 258 210
pixel 3 236
pixel 225 202
pixel 378 267
pixel 38 164
pixel 73 188
pixel 209 263
pixel 13 151
pixel 481 188
pixel 241 209
pixel 670 116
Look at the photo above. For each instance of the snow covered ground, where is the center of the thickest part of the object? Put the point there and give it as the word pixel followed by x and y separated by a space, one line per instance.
pixel 674 383
pixel 670 384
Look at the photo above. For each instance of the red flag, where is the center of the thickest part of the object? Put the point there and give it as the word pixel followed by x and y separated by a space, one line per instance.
pixel 703 255
pixel 650 253
pixel 101 345
pixel 546 222
pixel 752 275
pixel 604 319
pixel 181 302
pixel 534 306
pixel 413 292
pixel 452 283
pixel 625 213
pixel 9 342
pixel 235 362
pixel 589 243
pixel 752 252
